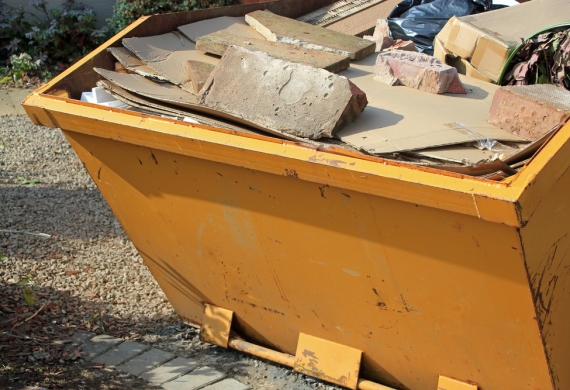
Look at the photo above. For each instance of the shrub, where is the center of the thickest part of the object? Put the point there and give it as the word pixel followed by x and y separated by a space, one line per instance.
pixel 59 35
pixel 127 11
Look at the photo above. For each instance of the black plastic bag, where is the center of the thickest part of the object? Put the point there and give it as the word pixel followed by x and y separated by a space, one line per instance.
pixel 420 20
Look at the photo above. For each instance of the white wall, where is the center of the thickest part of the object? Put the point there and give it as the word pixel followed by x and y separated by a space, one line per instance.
pixel 103 8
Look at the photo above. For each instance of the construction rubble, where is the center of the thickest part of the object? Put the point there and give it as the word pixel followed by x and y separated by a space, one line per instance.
pixel 324 83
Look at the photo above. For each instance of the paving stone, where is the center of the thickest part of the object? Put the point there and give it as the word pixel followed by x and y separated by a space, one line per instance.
pixel 283 97
pixel 218 42
pixel 18 95
pixel 121 353
pixel 6 104
pixel 530 110
pixel 227 384
pixel 78 338
pixel 145 362
pixel 281 29
pixel 169 370
pixel 417 70
pixel 194 380
pixel 98 345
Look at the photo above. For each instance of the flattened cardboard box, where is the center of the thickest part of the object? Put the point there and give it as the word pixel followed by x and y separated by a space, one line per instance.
pixel 488 38
pixel 399 118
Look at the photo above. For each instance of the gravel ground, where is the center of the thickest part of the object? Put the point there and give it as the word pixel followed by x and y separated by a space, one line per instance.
pixel 85 274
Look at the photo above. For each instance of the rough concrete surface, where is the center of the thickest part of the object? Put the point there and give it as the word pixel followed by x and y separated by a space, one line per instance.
pixel 195 379
pixel 227 384
pixel 170 370
pixel 98 345
pixel 281 29
pixel 280 95
pixel 146 361
pixel 218 42
pixel 121 353
pixel 417 70
pixel 530 110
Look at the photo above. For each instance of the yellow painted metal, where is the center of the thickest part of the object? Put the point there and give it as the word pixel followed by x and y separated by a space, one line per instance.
pixel 426 272
pixel 331 362
pixel 216 325
pixel 262 352
pixel 446 383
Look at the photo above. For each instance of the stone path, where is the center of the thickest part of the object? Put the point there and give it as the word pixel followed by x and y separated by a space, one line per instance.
pixel 151 364
pixel 11 100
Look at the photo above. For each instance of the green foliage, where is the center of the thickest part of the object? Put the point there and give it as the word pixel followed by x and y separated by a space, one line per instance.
pixel 22 64
pixel 57 35
pixel 27 291
pixel 127 11
pixel 25 181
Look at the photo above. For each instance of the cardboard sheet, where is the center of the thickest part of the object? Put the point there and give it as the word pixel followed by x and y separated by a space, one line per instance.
pixel 167 55
pixel 465 154
pixel 231 25
pixel 133 63
pixel 403 119
pixel 161 109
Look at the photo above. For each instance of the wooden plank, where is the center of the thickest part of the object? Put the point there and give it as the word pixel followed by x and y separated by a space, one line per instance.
pixel 218 42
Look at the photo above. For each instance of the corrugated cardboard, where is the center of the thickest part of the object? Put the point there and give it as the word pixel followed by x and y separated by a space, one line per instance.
pixel 487 38
pixel 465 154
pixel 167 54
pixel 133 63
pixel 403 119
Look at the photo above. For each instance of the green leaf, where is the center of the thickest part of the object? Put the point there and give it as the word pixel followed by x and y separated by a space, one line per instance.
pixel 2 256
pixel 29 296
pixel 25 181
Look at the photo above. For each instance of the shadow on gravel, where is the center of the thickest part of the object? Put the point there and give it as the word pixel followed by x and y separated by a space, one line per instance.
pixel 36 347
pixel 70 213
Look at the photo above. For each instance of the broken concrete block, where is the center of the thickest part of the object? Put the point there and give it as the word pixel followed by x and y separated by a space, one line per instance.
pixel 281 29
pixel 382 29
pixel 199 72
pixel 530 111
pixel 218 42
pixel 280 96
pixel 417 70
pixel 381 42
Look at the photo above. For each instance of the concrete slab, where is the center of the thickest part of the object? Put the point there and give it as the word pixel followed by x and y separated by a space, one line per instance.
pixel 98 345
pixel 78 338
pixel 6 103
pixel 18 95
pixel 218 42
pixel 121 353
pixel 170 370
pixel 196 379
pixel 227 384
pixel 145 362
pixel 283 97
pixel 281 29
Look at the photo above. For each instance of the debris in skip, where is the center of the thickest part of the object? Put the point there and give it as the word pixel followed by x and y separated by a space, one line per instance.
pixel 307 82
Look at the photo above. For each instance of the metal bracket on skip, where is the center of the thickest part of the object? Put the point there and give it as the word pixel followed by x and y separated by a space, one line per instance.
pixel 315 357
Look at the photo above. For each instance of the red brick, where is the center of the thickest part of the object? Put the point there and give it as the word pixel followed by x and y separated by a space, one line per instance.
pixel 529 111
pixel 417 70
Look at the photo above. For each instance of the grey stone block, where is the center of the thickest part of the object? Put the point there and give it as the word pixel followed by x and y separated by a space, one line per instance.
pixel 98 345
pixel 170 370
pixel 121 353
pixel 145 362
pixel 78 338
pixel 227 384
pixel 281 96
pixel 194 380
